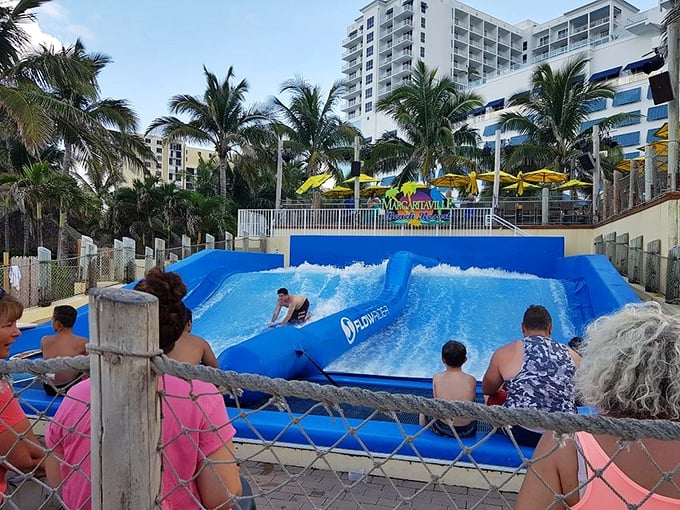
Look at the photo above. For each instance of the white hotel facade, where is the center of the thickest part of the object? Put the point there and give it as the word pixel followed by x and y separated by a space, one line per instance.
pixel 496 59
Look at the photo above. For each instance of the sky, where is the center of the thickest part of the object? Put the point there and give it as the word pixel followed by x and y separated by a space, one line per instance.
pixel 159 47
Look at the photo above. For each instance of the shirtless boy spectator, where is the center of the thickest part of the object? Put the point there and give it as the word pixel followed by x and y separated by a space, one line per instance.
pixel 192 348
pixel 453 384
pixel 64 344
pixel 537 372
pixel 297 305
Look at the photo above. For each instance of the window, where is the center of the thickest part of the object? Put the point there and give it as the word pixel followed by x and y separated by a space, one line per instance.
pixel 369 78
pixel 422 37
pixel 159 150
pixel 147 140
pixel 543 40
pixel 422 52
pixel 159 142
pixel 524 46
pixel 369 22
pixel 369 51
pixel 422 22
pixel 369 92
pixel 369 65
pixel 561 34
pixel 423 7
pixel 369 106
pixel 369 37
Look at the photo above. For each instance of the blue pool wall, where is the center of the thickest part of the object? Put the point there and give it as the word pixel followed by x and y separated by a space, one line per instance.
pixel 534 255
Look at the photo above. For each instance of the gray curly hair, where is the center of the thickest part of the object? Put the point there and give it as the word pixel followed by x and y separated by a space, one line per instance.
pixel 631 364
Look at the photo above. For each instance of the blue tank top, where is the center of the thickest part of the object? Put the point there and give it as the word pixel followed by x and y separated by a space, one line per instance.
pixel 546 379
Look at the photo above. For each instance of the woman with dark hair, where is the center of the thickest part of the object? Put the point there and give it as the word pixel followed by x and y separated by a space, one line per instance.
pixel 630 369
pixel 197 450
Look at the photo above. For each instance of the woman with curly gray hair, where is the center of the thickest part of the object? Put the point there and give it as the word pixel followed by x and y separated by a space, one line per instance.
pixel 630 369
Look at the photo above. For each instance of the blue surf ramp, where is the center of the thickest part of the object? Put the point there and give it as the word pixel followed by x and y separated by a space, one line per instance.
pixel 290 352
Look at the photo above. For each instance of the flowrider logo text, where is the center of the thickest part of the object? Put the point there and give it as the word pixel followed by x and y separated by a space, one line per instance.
pixel 352 327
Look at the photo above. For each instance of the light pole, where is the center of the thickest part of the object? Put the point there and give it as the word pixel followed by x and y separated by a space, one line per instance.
pixel 279 172
pixel 357 145
pixel 596 171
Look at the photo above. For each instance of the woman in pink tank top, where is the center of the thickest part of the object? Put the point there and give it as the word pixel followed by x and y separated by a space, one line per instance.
pixel 630 369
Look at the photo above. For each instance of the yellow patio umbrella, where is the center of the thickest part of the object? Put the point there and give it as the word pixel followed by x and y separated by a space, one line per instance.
pixel 662 132
pixel 660 147
pixel 504 176
pixel 379 190
pixel 472 183
pixel 574 184
pixel 337 192
pixel 313 182
pixel 450 181
pixel 362 178
pixel 520 186
pixel 624 164
pixel 545 175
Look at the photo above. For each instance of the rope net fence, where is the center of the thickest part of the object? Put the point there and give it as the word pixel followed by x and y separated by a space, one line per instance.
pixel 212 456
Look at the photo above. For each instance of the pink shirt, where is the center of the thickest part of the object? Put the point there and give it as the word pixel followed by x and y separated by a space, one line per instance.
pixel 599 494
pixel 187 434
pixel 10 416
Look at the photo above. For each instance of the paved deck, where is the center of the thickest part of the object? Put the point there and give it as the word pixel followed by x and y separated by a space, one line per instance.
pixel 321 489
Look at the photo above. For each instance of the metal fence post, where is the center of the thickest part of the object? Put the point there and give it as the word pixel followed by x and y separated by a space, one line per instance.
pixel 125 410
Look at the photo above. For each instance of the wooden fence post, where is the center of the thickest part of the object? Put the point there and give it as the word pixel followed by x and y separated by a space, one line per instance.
pixel 125 409
pixel 209 242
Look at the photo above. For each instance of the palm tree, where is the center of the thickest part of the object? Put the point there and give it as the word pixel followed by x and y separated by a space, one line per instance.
pixel 219 118
pixel 430 112
pixel 314 133
pixel 551 113
pixel 93 130
pixel 32 189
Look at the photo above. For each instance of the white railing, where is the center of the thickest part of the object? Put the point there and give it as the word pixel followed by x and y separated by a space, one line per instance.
pixel 445 222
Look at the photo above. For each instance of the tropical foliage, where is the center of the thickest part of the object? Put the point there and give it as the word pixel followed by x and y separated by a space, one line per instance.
pixel 431 113
pixel 315 135
pixel 552 113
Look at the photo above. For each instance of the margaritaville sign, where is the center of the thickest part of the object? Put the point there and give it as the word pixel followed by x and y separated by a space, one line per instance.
pixel 420 207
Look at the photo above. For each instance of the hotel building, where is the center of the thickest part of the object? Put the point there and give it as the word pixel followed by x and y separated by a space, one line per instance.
pixel 495 59
pixel 174 163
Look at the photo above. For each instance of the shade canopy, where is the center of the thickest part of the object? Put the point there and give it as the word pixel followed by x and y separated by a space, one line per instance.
pixel 450 181
pixel 490 176
pixel 624 164
pixel 574 184
pixel 337 192
pixel 362 178
pixel 545 175
pixel 378 190
pixel 313 182
pixel 520 186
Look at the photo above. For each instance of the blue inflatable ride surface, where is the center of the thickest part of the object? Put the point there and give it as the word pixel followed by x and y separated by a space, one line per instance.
pixel 291 352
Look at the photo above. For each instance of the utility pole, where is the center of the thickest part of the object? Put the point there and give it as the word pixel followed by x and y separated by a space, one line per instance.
pixel 673 114
pixel 596 172
pixel 279 172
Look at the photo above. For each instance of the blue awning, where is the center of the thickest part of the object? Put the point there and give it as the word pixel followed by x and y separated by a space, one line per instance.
pixel 639 64
pixel 606 74
pixel 496 103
